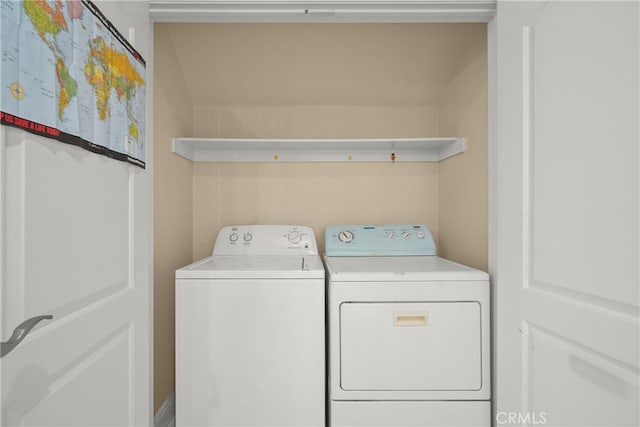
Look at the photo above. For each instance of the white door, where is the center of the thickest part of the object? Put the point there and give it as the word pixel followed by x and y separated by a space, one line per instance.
pixel 567 342
pixel 391 346
pixel 76 244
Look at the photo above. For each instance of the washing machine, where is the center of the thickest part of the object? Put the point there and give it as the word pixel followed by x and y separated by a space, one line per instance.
pixel 408 331
pixel 250 331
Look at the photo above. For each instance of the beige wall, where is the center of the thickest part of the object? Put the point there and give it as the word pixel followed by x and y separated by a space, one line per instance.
pixel 309 121
pixel 314 81
pixel 463 186
pixel 440 72
pixel 312 194
pixel 173 204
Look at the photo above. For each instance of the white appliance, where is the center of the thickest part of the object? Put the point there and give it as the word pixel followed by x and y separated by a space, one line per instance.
pixel 250 331
pixel 408 331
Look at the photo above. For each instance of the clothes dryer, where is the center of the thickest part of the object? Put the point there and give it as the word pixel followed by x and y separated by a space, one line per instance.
pixel 250 331
pixel 408 331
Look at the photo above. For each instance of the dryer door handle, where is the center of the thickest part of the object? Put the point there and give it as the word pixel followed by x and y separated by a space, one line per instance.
pixel 410 319
pixel 20 332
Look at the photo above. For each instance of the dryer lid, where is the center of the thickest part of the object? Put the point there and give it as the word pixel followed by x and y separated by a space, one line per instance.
pixel 404 268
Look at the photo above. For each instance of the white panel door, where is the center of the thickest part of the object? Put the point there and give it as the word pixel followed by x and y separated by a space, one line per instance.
pixel 76 244
pixel 568 219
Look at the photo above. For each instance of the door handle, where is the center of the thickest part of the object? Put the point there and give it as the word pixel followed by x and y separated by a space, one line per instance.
pixel 19 333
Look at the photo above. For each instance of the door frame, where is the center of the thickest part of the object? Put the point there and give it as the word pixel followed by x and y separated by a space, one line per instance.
pixel 370 11
pixel 322 11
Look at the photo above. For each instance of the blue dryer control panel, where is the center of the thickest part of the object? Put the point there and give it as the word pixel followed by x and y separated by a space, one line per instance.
pixel 379 240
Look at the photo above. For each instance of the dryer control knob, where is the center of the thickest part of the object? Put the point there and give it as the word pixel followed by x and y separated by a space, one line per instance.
pixel 420 234
pixel 247 237
pixel 233 237
pixel 345 236
pixel 405 235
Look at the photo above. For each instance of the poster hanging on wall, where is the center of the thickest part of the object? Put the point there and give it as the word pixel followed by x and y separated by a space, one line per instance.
pixel 68 74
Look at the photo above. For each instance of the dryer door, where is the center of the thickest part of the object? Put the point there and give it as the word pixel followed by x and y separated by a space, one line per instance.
pixel 410 346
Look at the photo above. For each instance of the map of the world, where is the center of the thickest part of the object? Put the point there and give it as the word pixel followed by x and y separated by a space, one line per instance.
pixel 68 74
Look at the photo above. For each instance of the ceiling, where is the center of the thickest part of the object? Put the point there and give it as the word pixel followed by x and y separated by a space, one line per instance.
pixel 321 64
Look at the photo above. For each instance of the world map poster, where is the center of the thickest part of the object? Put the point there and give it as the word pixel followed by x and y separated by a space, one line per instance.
pixel 68 74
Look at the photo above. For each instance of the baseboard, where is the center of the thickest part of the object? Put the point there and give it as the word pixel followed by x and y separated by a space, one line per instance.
pixel 166 415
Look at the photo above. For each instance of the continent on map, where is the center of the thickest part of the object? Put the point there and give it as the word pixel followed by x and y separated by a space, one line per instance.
pixel 108 69
pixel 68 86
pixel 45 19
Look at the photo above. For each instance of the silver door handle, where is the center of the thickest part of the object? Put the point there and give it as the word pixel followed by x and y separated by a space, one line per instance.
pixel 19 333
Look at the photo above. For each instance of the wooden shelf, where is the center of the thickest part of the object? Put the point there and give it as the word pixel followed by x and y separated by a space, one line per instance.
pixel 317 150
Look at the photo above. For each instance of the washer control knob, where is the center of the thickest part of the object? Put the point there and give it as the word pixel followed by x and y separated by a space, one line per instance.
pixel 294 237
pixel 345 236
pixel 405 235
pixel 390 235
pixel 233 237
pixel 247 237
pixel 420 234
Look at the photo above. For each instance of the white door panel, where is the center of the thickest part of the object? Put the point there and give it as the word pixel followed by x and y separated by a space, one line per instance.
pixel 567 202
pixel 71 255
pixel 71 242
pixel 63 393
pixel 76 244
pixel 583 137
pixel 598 328
pixel 595 389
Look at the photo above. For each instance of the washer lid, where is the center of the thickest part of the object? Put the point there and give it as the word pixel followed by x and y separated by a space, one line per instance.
pixel 253 266
pixel 404 268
